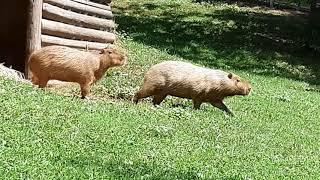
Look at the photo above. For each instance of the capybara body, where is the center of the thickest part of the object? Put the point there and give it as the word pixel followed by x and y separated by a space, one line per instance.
pixel 72 65
pixel 186 80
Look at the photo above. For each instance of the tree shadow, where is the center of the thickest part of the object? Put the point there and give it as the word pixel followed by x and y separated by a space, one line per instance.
pixel 249 3
pixel 225 37
pixel 131 170
pixel 289 4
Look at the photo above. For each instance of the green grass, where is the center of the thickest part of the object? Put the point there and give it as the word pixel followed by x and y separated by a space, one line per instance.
pixel 257 40
pixel 275 134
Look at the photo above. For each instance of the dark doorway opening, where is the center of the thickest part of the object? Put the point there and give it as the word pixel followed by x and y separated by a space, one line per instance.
pixel 13 25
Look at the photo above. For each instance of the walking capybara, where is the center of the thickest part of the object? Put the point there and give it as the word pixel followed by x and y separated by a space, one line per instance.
pixel 186 80
pixel 72 65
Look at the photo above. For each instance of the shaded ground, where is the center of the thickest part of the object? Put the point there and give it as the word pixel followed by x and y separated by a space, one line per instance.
pixel 303 5
pixel 224 36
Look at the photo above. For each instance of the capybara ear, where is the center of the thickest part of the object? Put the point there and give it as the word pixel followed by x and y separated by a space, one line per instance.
pixel 106 51
pixel 101 51
pixel 230 75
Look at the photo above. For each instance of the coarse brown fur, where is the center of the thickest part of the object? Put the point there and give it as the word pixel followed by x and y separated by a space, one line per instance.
pixel 185 80
pixel 72 65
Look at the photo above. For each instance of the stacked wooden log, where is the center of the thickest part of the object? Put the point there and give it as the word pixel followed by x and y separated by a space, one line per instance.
pixel 77 23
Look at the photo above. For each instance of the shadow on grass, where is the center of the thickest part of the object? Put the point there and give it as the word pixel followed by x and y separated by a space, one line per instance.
pixel 135 170
pixel 288 4
pixel 225 37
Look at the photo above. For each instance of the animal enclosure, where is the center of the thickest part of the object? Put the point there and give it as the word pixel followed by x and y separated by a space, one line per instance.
pixel 33 24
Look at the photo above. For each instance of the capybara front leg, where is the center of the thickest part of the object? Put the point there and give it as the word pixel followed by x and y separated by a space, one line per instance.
pixel 222 106
pixel 143 93
pixel 157 99
pixel 43 83
pixel 85 90
pixel 136 97
pixel 35 80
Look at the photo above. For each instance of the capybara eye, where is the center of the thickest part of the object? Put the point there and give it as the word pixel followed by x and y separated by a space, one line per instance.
pixel 238 80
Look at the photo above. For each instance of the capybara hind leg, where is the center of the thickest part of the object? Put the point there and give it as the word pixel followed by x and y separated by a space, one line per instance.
pixel 43 83
pixel 85 90
pixel 222 106
pixel 196 103
pixel 157 99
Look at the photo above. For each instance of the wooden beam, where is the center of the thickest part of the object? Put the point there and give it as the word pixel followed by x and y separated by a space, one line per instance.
pixel 82 8
pixel 58 14
pixel 73 32
pixel 51 40
pixel 33 30
pixel 86 2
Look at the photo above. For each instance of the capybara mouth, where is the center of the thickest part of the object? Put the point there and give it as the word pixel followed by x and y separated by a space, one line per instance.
pixel 248 91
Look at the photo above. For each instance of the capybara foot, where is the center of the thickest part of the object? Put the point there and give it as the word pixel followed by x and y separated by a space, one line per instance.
pixel 135 99
pixel 85 97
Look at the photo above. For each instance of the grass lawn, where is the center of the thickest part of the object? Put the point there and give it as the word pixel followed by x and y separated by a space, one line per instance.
pixel 275 134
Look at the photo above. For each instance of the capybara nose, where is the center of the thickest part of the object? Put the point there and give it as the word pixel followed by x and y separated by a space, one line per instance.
pixel 249 89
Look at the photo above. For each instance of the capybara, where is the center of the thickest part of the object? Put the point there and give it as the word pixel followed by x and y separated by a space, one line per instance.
pixel 72 65
pixel 186 80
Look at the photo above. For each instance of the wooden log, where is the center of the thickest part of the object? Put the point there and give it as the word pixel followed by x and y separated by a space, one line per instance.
pixel 51 40
pixel 58 14
pixel 69 31
pixel 86 2
pixel 78 7
pixel 33 41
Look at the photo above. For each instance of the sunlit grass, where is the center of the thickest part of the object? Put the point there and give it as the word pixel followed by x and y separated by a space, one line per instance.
pixel 274 135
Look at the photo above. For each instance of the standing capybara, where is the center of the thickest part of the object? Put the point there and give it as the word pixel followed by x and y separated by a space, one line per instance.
pixel 72 65
pixel 185 80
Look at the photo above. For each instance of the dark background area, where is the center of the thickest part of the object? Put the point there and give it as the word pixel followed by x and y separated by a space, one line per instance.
pixel 13 24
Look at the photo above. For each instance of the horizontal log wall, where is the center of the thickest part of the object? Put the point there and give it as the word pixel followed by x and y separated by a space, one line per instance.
pixel 81 8
pixel 77 23
pixel 93 4
pixel 73 32
pixel 58 14
pixel 51 40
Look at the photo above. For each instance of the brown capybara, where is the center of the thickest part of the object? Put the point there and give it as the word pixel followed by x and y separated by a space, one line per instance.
pixel 72 65
pixel 186 80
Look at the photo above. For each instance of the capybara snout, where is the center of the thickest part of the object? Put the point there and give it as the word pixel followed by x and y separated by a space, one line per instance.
pixel 243 87
pixel 117 57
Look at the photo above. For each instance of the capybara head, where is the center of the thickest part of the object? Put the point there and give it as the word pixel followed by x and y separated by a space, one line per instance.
pixel 240 86
pixel 113 57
